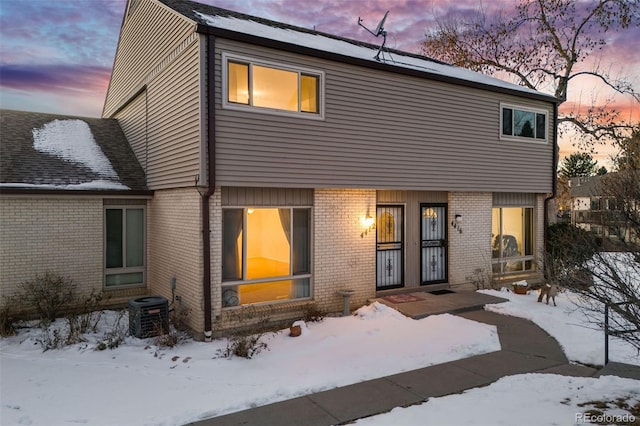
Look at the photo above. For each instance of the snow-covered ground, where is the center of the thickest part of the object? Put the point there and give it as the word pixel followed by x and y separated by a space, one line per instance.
pixel 524 399
pixel 538 399
pixel 580 341
pixel 140 384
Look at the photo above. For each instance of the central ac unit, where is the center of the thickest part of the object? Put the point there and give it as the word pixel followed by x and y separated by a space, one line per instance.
pixel 148 316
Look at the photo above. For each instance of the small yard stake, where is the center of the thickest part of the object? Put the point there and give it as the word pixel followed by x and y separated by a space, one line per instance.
pixel 606 334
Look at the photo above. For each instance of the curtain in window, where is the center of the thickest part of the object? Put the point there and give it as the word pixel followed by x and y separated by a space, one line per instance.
pixel 135 237
pixel 114 238
pixel 301 242
pixel 232 228
pixel 301 251
pixel 285 221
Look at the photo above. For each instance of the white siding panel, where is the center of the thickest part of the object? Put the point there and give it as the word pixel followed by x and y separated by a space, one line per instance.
pixel 381 130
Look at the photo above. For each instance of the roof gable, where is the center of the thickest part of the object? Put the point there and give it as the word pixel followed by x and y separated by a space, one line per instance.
pixel 55 152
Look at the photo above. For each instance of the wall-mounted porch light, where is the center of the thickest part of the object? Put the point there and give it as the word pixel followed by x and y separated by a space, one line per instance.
pixel 368 223
pixel 457 222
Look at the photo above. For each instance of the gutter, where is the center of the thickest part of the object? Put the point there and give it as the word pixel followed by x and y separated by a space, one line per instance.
pixel 211 181
pixel 554 176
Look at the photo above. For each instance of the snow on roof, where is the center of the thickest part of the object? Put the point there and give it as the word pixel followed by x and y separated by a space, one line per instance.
pixel 72 140
pixel 351 49
pixel 99 184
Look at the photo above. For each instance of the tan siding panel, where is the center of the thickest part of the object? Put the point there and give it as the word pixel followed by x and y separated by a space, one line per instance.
pixel 174 123
pixel 381 130
pixel 142 46
pixel 164 59
pixel 132 119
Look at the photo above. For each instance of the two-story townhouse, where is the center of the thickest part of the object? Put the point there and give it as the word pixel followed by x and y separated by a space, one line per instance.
pixel 288 164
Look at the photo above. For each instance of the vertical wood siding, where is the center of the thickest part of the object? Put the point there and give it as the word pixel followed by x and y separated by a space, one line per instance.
pixel 165 59
pixel 507 199
pixel 234 196
pixel 381 130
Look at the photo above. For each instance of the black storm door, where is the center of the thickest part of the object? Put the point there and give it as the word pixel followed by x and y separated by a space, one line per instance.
pixel 433 243
pixel 389 247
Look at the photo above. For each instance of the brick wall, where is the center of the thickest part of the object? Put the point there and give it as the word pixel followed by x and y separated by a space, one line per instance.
pixel 470 249
pixel 343 259
pixel 215 220
pixel 60 235
pixel 174 249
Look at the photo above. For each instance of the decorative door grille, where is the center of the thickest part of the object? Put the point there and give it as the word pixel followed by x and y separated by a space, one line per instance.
pixel 433 243
pixel 389 247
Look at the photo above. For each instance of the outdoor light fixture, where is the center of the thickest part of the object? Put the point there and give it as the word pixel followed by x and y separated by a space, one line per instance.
pixel 369 223
pixel 456 223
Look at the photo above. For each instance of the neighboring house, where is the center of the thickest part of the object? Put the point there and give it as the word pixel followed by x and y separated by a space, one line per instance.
pixel 595 210
pixel 287 165
pixel 73 202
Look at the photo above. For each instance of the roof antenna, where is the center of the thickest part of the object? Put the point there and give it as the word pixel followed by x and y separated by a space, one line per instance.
pixel 379 31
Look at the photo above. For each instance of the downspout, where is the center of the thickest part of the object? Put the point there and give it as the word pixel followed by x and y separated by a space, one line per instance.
pixel 211 181
pixel 554 175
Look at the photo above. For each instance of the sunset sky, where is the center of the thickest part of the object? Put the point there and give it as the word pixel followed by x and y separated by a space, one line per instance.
pixel 56 56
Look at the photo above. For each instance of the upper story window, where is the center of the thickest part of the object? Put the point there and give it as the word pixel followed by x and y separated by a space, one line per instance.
pixel 272 88
pixel 520 122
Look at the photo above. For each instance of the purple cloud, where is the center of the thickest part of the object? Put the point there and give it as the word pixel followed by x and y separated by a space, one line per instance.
pixel 66 48
pixel 52 78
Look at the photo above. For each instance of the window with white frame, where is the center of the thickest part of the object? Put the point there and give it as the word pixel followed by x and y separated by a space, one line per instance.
pixel 512 239
pixel 521 122
pixel 124 246
pixel 272 88
pixel 266 254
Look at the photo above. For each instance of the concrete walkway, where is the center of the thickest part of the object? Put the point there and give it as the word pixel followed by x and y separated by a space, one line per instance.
pixel 526 348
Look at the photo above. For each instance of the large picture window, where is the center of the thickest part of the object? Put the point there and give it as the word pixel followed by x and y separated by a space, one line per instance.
pixel 523 123
pixel 272 88
pixel 124 246
pixel 512 239
pixel 265 255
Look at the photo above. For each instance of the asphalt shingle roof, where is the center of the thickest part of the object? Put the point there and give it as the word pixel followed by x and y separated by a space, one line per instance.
pixel 586 186
pixel 21 163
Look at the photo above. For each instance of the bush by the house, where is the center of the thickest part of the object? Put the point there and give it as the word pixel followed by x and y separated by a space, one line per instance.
pixel 48 294
pixel 7 318
pixel 247 340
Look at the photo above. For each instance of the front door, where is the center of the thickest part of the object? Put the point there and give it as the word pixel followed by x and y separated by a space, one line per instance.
pixel 389 247
pixel 433 243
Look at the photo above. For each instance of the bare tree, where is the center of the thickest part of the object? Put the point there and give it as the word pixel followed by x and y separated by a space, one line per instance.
pixel 575 260
pixel 545 45
pixel 628 156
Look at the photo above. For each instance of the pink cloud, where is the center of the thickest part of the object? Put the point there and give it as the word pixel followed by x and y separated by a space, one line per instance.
pixel 53 78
